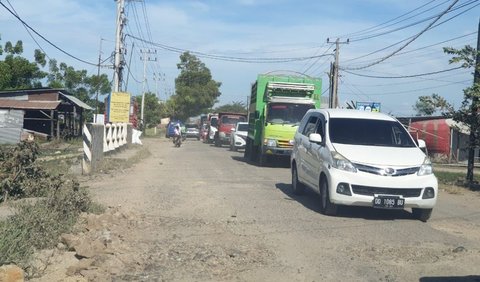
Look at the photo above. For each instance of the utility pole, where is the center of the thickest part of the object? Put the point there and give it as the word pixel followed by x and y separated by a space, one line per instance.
pixel 98 76
pixel 474 126
pixel 334 74
pixel 145 59
pixel 119 61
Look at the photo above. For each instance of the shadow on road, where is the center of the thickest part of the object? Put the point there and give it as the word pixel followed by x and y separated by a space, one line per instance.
pixel 311 200
pixel 272 163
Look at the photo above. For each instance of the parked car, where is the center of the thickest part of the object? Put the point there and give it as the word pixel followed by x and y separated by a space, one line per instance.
pixel 238 138
pixel 192 131
pixel 357 158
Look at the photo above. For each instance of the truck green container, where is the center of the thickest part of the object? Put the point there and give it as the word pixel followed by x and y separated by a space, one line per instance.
pixel 277 105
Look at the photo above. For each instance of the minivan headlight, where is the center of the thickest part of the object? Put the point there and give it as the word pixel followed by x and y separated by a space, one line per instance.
pixel 426 168
pixel 340 162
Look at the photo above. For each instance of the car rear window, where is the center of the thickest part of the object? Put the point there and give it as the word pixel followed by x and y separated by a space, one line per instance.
pixel 369 132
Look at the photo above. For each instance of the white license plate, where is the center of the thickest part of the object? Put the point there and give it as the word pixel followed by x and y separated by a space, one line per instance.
pixel 388 202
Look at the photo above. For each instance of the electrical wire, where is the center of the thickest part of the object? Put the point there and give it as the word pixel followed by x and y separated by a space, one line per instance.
pixel 46 40
pixel 29 33
pixel 449 10
pixel 410 41
pixel 403 76
pixel 227 58
pixel 399 42
pixel 418 89
pixel 391 20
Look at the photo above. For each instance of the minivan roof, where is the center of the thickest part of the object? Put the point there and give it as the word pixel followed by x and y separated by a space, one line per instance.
pixel 353 113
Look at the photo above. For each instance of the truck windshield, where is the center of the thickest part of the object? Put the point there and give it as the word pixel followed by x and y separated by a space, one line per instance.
pixel 285 113
pixel 369 132
pixel 232 119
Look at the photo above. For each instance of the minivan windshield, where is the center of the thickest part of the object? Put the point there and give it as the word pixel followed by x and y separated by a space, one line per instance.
pixel 369 132
pixel 286 113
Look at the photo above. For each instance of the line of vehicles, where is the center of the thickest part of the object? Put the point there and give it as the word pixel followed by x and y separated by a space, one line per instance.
pixel 348 157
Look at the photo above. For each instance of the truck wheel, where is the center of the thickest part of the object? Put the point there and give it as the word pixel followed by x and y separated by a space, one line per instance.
pixel 297 186
pixel 262 159
pixel 422 214
pixel 326 207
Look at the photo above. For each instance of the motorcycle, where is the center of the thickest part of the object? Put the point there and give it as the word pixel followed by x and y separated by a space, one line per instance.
pixel 177 140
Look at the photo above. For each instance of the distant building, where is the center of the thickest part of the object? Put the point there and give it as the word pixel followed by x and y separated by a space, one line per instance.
pixel 45 112
pixel 444 137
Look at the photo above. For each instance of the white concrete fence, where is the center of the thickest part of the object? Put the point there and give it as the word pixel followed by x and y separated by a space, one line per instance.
pixel 99 139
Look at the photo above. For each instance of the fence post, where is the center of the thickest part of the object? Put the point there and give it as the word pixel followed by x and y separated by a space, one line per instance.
pixel 87 151
pixel 93 144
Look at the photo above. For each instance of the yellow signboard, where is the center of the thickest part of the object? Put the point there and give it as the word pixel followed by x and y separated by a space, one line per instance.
pixel 119 107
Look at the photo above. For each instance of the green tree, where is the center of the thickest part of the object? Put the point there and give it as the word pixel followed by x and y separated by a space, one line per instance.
pixel 152 112
pixel 195 90
pixel 428 105
pixel 468 112
pixel 16 72
pixel 235 107
pixel 77 82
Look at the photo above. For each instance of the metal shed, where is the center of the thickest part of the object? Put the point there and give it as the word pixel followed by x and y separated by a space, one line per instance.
pixel 53 113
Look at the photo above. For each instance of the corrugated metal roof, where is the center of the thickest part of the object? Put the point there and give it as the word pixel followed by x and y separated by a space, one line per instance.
pixel 77 101
pixel 29 105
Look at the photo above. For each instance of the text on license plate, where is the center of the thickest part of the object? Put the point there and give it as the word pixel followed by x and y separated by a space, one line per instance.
pixel 388 202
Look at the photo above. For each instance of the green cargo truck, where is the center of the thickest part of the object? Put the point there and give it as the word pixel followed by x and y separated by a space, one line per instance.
pixel 277 105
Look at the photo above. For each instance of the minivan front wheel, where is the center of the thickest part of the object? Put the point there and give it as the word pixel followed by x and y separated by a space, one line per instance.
pixel 297 186
pixel 422 214
pixel 326 207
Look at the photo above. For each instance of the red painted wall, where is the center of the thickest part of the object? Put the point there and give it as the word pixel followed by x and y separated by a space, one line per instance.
pixel 436 134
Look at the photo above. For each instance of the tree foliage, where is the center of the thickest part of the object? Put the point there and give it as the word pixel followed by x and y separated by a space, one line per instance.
pixel 152 112
pixel 235 107
pixel 16 72
pixel 429 105
pixel 195 90
pixel 468 112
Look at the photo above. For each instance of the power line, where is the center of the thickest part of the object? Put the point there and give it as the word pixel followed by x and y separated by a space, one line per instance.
pixel 402 76
pixel 399 42
pixel 391 20
pixel 449 10
pixel 29 33
pixel 418 89
pixel 228 58
pixel 410 41
pixel 46 40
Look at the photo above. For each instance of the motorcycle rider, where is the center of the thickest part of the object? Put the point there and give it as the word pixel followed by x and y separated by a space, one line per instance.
pixel 177 133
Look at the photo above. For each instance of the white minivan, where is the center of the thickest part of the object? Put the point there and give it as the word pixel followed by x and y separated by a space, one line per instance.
pixel 359 158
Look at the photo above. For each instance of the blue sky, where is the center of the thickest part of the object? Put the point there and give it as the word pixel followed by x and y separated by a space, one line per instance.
pixel 263 29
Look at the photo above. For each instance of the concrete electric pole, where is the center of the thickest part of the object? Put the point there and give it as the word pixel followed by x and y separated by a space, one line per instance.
pixel 145 59
pixel 334 74
pixel 119 60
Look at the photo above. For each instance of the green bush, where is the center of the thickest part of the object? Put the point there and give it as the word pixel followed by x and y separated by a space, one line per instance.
pixel 38 225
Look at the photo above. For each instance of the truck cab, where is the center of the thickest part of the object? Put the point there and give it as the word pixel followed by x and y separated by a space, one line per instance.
pixel 226 122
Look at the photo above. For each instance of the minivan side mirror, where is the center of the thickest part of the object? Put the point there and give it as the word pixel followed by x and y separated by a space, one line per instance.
pixel 421 144
pixel 315 138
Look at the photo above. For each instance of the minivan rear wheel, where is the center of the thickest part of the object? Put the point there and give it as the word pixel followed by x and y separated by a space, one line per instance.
pixel 422 214
pixel 326 207
pixel 297 186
